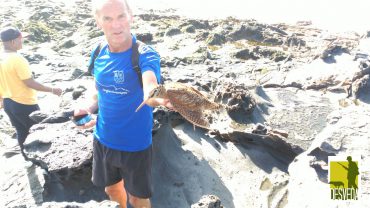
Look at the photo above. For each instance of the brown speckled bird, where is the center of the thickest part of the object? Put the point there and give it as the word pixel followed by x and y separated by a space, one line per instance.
pixel 186 100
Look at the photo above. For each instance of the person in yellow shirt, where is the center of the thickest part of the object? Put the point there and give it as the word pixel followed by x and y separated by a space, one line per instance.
pixel 17 87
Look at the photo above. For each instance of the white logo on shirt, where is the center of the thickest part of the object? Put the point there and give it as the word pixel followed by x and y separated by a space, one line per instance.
pixel 119 77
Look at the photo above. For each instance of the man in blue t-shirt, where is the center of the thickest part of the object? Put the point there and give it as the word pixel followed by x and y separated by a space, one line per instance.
pixel 122 153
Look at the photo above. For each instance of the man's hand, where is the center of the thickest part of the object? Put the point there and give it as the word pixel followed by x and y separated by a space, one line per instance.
pixel 149 83
pixel 87 125
pixel 153 102
pixel 56 91
pixel 166 103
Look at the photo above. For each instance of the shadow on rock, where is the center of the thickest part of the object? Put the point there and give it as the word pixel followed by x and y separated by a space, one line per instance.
pixel 320 160
pixel 257 145
pixel 181 176
pixel 73 186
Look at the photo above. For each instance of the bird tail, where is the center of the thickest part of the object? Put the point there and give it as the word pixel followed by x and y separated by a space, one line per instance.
pixel 222 107
pixel 216 106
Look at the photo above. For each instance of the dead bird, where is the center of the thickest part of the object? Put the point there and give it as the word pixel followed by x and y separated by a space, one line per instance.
pixel 186 100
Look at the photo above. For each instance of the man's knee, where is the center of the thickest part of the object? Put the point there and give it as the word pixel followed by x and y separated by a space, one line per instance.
pixel 114 190
pixel 139 202
pixel 111 191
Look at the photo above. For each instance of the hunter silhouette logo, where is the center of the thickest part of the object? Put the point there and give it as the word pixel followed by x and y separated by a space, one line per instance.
pixel 343 178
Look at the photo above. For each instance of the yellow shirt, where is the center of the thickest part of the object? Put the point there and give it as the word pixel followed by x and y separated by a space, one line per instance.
pixel 13 69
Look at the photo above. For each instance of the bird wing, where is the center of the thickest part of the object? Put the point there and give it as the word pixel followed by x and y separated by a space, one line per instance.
pixel 185 97
pixel 182 97
pixel 193 116
pixel 184 87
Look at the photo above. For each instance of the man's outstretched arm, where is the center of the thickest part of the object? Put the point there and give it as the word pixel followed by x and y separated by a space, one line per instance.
pixel 31 83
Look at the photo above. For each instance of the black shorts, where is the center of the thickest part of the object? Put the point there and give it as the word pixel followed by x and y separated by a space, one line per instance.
pixel 135 168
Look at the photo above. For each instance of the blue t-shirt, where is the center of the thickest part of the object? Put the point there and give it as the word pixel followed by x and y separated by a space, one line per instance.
pixel 119 94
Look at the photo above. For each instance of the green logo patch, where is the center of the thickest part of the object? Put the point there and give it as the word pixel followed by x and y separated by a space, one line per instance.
pixel 343 178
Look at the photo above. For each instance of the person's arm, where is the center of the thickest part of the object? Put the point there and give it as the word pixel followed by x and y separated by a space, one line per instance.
pixel 31 83
pixel 89 110
pixel 149 83
pixel 23 71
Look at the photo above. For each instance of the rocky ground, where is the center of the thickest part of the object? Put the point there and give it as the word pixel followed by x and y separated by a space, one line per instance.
pixel 296 95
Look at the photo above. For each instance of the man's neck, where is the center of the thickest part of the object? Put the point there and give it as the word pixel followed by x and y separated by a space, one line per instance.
pixel 120 48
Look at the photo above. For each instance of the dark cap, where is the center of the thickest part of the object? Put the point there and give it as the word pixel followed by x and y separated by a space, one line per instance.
pixel 9 33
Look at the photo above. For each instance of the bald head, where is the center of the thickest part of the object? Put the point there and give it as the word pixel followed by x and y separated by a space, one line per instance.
pixel 114 18
pixel 97 5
